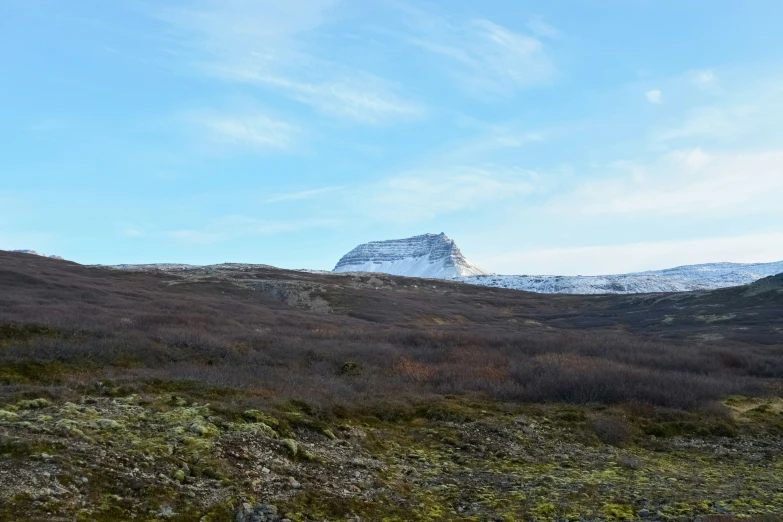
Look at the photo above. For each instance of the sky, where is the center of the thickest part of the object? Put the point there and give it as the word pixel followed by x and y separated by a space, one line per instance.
pixel 544 137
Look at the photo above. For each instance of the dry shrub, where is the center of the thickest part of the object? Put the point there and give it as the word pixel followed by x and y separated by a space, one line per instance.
pixel 93 321
pixel 612 430
pixel 630 462
pixel 413 370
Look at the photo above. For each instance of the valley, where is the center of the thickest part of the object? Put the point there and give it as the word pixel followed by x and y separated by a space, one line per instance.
pixel 239 391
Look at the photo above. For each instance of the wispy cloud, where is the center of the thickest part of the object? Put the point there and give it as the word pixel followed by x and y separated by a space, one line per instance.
pixel 714 122
pixel 540 28
pixel 686 182
pixel 743 110
pixel 654 96
pixel 485 58
pixel 232 227
pixel 301 195
pixel 704 79
pixel 264 43
pixel 255 131
pixel 357 96
pixel 419 195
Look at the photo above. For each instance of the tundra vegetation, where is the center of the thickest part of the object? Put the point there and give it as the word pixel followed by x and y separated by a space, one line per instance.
pixel 250 393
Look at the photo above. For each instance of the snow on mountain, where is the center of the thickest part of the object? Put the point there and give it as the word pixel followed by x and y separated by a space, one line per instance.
pixel 709 276
pixel 34 253
pixel 428 255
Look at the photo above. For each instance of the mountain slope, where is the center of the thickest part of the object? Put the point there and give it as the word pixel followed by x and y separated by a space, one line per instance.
pixel 428 255
pixel 709 276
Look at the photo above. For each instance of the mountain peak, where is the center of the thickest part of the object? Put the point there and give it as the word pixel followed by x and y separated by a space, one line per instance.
pixel 427 255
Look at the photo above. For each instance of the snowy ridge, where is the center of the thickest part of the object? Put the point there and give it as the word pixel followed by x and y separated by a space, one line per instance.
pixel 34 253
pixel 709 276
pixel 428 255
pixel 150 267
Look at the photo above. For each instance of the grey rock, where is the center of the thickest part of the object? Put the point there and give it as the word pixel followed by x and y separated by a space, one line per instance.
pixel 261 513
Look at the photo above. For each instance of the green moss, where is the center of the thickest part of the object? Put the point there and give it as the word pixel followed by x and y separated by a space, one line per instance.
pixel 259 416
pixel 109 424
pixel 256 428
pixel 545 511
pixel 9 416
pixel 291 446
pixel 203 429
pixel 70 428
pixel 618 511
pixel 34 404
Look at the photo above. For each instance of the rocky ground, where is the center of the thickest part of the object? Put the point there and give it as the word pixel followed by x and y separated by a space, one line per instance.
pixel 110 455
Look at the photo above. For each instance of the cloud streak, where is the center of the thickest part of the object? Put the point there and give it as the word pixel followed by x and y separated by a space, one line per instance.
pixel 654 96
pixel 484 58
pixel 421 195
pixel 301 195
pixel 229 228
pixel 253 131
pixel 686 182
pixel 265 43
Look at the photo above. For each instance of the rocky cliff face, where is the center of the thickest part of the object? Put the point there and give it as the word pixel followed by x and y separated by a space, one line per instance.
pixel 428 255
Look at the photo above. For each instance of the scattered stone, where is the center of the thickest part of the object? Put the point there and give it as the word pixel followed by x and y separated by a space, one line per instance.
pixel 262 513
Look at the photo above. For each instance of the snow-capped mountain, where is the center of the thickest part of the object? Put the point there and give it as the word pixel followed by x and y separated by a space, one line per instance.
pixel 428 255
pixel 436 256
pixel 709 276
pixel 34 253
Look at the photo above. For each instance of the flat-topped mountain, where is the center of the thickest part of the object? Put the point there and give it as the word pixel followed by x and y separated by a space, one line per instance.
pixel 428 255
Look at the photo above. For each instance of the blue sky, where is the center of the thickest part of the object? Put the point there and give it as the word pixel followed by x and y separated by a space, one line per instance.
pixel 544 137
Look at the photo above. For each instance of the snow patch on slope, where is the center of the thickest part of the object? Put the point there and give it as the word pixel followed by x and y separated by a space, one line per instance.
pixel 709 276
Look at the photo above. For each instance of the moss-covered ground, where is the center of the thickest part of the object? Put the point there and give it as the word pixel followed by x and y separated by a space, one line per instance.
pixel 157 455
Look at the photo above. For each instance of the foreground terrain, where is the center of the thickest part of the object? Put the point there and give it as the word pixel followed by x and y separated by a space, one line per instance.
pixel 251 393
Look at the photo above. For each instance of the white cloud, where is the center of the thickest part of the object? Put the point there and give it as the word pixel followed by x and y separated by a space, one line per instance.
pixel 132 232
pixel 654 96
pixel 300 195
pixel 265 43
pixel 254 131
pixel 617 259
pixel 485 58
pixel 540 28
pixel 687 182
pixel 421 195
pixel 750 112
pixel 360 97
pixel 704 79
pixel 710 122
